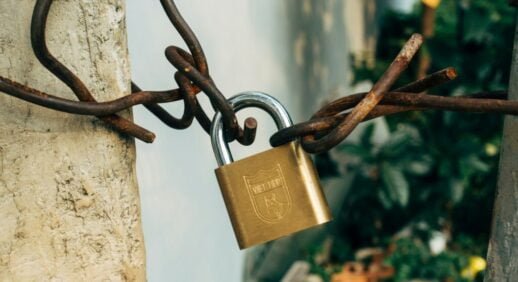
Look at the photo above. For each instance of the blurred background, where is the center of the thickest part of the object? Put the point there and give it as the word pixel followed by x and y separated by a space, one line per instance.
pixel 411 194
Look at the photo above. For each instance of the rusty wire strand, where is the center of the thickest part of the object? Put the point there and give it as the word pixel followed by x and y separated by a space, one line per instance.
pixel 329 115
pixel 186 89
pixel 367 104
pixel 327 127
pixel 429 81
pixel 106 110
pixel 194 66
pixel 39 45
pixel 396 102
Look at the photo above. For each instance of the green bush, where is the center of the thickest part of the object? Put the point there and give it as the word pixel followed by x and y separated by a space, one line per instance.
pixel 436 172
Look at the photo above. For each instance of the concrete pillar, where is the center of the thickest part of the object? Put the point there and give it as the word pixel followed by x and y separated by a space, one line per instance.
pixel 69 201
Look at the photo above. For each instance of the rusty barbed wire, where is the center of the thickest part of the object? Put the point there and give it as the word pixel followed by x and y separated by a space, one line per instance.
pixel 325 129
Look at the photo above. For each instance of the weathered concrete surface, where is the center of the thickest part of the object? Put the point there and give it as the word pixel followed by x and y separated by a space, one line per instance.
pixel 503 246
pixel 69 202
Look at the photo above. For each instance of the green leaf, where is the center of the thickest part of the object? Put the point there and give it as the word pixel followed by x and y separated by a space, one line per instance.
pixel 385 199
pixel 356 151
pixel 400 141
pixel 396 184
pixel 457 188
pixel 366 136
pixel 421 166
pixel 476 163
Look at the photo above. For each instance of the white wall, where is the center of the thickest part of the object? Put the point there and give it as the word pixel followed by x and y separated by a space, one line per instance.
pixel 187 232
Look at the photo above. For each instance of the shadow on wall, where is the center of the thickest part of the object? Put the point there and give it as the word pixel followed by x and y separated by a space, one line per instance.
pixel 320 56
pixel 321 35
pixel 318 65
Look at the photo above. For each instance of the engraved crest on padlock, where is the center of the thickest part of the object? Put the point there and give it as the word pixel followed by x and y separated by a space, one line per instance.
pixel 271 194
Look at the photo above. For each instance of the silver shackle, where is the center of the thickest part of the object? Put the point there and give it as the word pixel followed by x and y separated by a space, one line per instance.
pixel 245 100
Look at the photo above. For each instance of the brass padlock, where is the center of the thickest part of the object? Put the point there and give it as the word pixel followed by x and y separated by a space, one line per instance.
pixel 274 193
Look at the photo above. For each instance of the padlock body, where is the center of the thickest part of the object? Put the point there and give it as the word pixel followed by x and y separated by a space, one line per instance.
pixel 272 194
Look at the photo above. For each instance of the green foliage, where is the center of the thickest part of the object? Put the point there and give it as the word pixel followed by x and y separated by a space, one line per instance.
pixel 413 259
pixel 436 172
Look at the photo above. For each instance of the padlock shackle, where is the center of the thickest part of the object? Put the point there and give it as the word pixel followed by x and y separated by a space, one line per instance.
pixel 251 99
